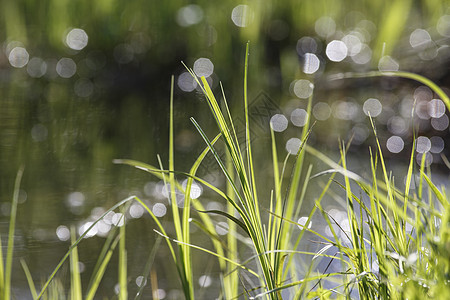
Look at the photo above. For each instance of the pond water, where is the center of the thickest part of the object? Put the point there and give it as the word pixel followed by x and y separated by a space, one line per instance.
pixel 67 115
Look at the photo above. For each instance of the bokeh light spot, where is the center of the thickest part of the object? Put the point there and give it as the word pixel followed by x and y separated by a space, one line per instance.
pixel 66 67
pixel 203 67
pixel 395 144
pixel 278 123
pixel 18 57
pixel 303 88
pixel 242 15
pixel 372 107
pixel 311 63
pixel 299 117
pixel 77 39
pixel 293 145
pixel 336 51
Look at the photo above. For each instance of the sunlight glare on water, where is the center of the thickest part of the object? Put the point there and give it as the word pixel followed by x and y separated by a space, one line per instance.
pixel 440 124
pixel 437 144
pixel 293 145
pixel 302 222
pixel 307 44
pixel 443 25
pixel 159 210
pixel 242 15
pixel 203 67
pixel 299 117
pixel 303 88
pixel 222 228
pixel 136 210
pixel 278 123
pixel 36 67
pixel 419 38
pixel 189 15
pixel 84 227
pixel 436 108
pixel 196 189
pixel 395 144
pixel 423 144
pixel 387 64
pixel 18 57
pixel 325 26
pixel 204 281
pixel 63 233
pixel 363 56
pixel 186 82
pixel 372 107
pixel 336 51
pixel 77 39
pixel 141 281
pixel 353 44
pixel 311 63
pixel 321 111
pixel 66 67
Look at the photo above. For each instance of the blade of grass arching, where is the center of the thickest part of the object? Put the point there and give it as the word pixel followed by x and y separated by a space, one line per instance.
pixel 30 281
pixel 212 253
pixel 436 192
pixel 100 271
pixel 123 290
pixel 402 74
pixel 251 170
pixel 75 277
pixel 12 228
pixel 61 262
pixel 148 267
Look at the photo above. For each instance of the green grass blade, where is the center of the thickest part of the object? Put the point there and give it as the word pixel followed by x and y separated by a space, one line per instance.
pixel 75 277
pixel 30 281
pixel 444 97
pixel 12 227
pixel 123 293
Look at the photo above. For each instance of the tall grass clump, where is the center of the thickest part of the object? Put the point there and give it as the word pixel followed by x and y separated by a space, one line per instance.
pixel 396 243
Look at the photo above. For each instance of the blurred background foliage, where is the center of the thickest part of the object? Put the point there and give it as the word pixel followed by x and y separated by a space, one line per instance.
pixel 71 101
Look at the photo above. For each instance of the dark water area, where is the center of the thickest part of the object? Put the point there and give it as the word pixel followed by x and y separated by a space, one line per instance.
pixel 70 105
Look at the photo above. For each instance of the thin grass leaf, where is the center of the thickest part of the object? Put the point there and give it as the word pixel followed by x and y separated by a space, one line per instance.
pixel 402 74
pixel 123 290
pixel 75 276
pixel 12 227
pixel 228 216
pixel 30 281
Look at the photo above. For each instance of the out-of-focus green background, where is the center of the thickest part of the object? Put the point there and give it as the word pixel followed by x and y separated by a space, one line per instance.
pixel 84 82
